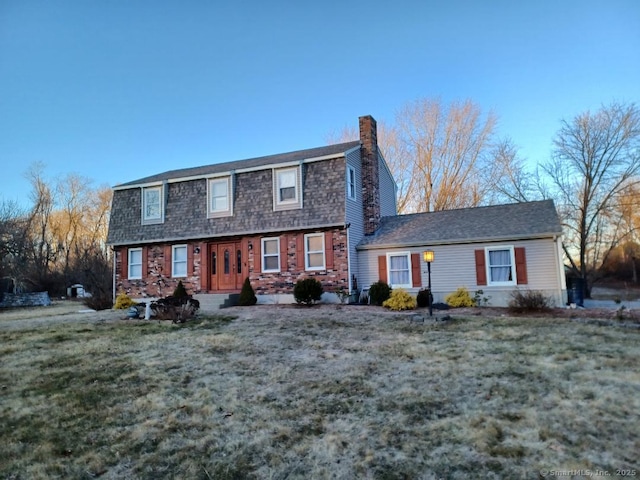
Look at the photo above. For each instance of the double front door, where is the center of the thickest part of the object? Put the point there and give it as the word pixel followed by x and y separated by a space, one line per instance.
pixel 226 265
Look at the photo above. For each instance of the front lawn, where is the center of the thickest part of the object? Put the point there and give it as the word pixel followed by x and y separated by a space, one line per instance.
pixel 325 392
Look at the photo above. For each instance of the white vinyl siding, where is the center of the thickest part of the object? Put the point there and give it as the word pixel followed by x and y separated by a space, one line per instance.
pixel 354 218
pixel 388 189
pixel 179 261
pixel 134 262
pixel 220 197
pixel 152 203
pixel 314 251
pixel 271 254
pixel 454 266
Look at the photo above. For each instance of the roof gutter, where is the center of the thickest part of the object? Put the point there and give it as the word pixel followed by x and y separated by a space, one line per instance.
pixel 457 242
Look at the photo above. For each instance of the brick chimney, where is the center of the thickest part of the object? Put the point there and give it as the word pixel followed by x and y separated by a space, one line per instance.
pixel 370 174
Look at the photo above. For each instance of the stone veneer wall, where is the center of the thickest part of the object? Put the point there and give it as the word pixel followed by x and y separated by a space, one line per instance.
pixel 36 299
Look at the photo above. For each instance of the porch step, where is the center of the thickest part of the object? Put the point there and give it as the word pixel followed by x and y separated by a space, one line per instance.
pixel 210 302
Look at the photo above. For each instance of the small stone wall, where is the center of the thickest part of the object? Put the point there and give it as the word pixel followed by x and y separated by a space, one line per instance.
pixel 36 299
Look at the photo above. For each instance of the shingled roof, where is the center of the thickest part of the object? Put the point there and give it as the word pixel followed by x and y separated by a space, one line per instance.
pixel 479 224
pixel 295 156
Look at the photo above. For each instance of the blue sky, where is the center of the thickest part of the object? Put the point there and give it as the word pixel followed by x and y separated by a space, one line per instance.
pixel 115 90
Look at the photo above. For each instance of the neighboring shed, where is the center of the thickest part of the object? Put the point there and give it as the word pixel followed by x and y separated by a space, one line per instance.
pixel 496 249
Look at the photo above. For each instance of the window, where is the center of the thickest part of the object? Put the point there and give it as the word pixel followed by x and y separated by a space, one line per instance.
pixel 399 266
pixel 270 254
pixel 287 188
pixel 179 261
pixel 314 251
pixel 500 265
pixel 351 182
pixel 135 263
pixel 219 193
pixel 152 204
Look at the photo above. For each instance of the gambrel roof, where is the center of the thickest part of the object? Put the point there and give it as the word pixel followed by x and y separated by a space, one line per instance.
pixel 467 225
pixel 250 163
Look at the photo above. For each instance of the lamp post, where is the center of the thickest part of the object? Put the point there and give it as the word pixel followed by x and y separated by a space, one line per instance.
pixel 428 256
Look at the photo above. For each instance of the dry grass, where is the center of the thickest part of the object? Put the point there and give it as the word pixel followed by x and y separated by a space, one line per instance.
pixel 326 392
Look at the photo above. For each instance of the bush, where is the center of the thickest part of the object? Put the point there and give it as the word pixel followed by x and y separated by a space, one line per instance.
pixel 460 298
pixel 247 295
pixel 423 298
pixel 400 300
pixel 99 301
pixel 528 301
pixel 379 292
pixel 123 301
pixel 176 309
pixel 307 291
pixel 180 291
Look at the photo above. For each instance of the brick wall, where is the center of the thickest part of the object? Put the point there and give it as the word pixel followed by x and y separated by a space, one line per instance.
pixel 157 281
pixel 370 174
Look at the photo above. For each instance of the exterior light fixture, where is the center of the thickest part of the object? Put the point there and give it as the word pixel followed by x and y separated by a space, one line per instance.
pixel 428 256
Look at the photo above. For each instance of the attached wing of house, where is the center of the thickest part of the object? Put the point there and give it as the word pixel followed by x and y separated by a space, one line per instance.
pixel 495 249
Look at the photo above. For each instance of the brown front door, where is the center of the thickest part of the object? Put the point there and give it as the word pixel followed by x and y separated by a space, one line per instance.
pixel 225 266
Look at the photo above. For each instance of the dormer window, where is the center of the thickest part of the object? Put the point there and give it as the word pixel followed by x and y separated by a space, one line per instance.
pixel 152 211
pixel 286 186
pixel 220 198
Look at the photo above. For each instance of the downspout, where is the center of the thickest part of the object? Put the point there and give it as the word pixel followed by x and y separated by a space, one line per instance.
pixel 346 227
pixel 113 286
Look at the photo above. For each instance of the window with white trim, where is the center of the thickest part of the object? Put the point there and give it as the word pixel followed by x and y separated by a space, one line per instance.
pixel 271 254
pixel 152 204
pixel 179 261
pixel 314 251
pixel 219 192
pixel 500 265
pixel 351 182
pixel 134 264
pixel 399 268
pixel 286 186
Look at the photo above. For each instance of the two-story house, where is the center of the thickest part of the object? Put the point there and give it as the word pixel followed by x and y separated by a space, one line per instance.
pixel 273 219
pixel 326 212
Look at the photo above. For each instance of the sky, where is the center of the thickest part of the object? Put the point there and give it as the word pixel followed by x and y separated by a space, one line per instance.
pixel 116 90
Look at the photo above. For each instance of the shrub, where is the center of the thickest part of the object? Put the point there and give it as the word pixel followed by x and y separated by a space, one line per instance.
pixel 99 301
pixel 480 298
pixel 176 309
pixel 123 301
pixel 400 300
pixel 180 291
pixel 379 292
pixel 460 298
pixel 528 301
pixel 247 295
pixel 307 291
pixel 423 298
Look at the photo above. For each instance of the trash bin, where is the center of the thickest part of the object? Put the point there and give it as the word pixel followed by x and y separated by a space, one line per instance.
pixel 575 293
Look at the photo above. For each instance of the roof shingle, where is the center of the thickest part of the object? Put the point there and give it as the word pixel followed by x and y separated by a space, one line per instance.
pixel 491 223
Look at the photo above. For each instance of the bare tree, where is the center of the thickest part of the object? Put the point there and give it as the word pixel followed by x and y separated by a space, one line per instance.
pixel 441 155
pixel 596 157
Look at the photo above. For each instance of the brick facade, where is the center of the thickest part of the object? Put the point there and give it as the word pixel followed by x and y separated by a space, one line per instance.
pixel 157 281
pixel 370 174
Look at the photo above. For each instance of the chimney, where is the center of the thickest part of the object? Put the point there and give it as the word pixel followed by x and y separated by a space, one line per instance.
pixel 370 174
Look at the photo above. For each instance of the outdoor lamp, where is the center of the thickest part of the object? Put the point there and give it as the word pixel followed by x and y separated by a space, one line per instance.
pixel 428 257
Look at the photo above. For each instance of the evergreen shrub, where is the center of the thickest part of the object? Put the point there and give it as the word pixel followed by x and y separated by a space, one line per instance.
pixel 460 298
pixel 247 295
pixel 307 291
pixel 400 300
pixel 379 292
